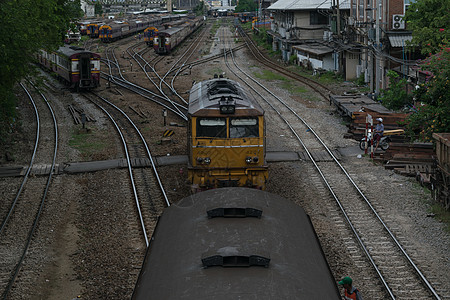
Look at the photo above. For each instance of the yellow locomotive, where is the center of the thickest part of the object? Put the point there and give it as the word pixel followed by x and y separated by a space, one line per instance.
pixel 226 137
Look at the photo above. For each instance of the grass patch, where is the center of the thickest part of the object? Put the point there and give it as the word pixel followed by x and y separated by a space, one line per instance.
pixel 214 27
pixel 293 88
pixel 89 142
pixel 441 214
pixel 286 83
pixel 214 71
pixel 328 78
pixel 436 210
pixel 269 75
pixel 324 78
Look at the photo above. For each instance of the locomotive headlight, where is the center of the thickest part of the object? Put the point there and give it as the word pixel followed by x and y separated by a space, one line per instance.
pixel 251 160
pixel 203 160
pixel 227 109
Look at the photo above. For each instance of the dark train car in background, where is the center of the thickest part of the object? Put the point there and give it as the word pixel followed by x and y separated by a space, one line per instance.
pixel 115 30
pixel 245 17
pixel 226 137
pixel 93 29
pixel 168 39
pixel 120 29
pixel 72 37
pixel 82 27
pixel 150 33
pixel 77 67
pixel 235 243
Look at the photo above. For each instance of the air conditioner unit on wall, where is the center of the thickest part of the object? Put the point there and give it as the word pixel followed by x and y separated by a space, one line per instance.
pixel 398 22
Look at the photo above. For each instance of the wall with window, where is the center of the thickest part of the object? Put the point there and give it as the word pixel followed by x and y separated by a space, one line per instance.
pixel 301 24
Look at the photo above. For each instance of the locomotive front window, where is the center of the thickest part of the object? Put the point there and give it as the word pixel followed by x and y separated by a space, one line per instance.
pixel 211 127
pixel 244 127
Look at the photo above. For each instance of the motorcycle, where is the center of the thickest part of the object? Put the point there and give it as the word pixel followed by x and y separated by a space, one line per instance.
pixel 384 142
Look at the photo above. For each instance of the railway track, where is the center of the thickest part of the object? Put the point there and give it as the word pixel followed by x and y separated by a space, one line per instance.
pixel 117 78
pixel 21 216
pixel 146 186
pixel 260 57
pixel 396 270
pixel 161 97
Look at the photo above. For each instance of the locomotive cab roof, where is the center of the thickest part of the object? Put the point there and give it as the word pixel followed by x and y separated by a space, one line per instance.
pixel 208 97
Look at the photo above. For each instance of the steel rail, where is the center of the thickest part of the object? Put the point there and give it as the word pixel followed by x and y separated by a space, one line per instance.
pixel 163 95
pixel 261 58
pixel 392 236
pixel 130 171
pixel 149 155
pixel 195 43
pixel 141 91
pixel 162 79
pixel 109 63
pixel 312 160
pixel 421 276
pixel 41 205
pixel 30 165
pixel 115 79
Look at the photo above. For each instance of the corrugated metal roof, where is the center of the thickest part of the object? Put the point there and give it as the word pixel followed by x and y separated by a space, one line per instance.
pixel 314 48
pixel 400 40
pixel 345 4
pixel 300 4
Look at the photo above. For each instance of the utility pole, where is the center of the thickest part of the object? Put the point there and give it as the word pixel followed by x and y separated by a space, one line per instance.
pixel 338 16
pixel 377 49
pixel 260 10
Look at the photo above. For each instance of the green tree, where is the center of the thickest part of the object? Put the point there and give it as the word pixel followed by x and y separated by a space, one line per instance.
pixel 396 96
pixel 98 9
pixel 433 113
pixel 26 27
pixel 429 21
pixel 200 9
pixel 246 5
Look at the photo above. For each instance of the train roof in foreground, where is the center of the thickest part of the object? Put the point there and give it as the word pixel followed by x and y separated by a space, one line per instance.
pixel 205 96
pixel 273 253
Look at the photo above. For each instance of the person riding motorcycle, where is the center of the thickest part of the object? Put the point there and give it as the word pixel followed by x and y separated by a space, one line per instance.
pixel 378 132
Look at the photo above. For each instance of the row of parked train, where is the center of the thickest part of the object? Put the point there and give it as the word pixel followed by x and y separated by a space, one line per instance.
pixel 80 68
pixel 162 33
pixel 92 28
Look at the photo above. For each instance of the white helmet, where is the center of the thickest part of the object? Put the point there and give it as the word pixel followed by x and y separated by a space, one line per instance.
pixel 380 119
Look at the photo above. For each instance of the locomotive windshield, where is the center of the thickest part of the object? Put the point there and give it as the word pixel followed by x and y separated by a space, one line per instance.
pixel 212 127
pixel 217 128
pixel 244 127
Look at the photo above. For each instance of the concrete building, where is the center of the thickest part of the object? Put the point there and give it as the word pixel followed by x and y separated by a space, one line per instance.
pixel 303 29
pixel 379 27
pixel 88 9
pixel 352 37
